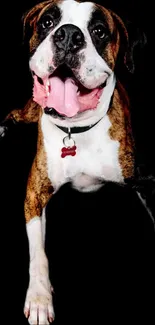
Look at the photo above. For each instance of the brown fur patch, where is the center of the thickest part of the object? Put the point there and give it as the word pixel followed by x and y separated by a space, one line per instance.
pixel 39 187
pixel 33 16
pixel 29 114
pixel 121 129
pixel 115 24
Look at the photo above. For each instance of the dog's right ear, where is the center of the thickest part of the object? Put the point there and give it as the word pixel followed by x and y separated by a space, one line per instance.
pixel 137 41
pixel 30 17
pixel 131 38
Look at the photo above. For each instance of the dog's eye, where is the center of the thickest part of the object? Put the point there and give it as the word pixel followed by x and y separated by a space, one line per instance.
pixel 46 22
pixel 99 31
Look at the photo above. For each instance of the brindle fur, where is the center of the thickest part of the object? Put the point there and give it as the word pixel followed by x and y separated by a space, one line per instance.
pixel 39 187
pixel 29 114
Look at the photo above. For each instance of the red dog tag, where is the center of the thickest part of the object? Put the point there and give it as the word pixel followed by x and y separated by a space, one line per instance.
pixel 68 151
pixel 70 147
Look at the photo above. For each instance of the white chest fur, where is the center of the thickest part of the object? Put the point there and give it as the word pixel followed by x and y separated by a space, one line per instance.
pixel 96 157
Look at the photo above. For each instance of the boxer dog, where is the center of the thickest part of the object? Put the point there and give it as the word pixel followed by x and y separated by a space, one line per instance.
pixel 82 111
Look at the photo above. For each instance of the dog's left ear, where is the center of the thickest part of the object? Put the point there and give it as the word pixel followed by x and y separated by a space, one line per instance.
pixel 131 38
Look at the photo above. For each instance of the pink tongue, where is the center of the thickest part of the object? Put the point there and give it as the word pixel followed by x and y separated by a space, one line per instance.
pixel 63 96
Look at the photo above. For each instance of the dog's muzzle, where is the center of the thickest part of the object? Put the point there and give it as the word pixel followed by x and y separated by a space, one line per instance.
pixel 69 38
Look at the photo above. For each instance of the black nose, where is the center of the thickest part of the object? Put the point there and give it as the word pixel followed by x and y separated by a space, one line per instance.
pixel 69 38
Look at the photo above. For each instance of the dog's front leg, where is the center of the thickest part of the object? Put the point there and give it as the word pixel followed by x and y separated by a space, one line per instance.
pixel 38 305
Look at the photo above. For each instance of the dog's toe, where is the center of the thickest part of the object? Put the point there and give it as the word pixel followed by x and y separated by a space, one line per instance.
pixel 50 313
pixel 39 309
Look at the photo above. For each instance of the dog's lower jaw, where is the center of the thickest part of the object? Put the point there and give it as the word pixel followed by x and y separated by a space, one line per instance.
pixel 38 304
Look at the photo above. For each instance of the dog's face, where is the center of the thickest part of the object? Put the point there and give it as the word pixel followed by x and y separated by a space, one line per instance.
pixel 73 52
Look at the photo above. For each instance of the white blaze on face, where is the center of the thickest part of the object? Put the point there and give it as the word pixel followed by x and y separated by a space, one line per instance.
pixel 76 13
pixel 94 70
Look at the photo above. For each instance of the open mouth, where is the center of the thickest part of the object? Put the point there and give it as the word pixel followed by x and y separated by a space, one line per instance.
pixel 62 95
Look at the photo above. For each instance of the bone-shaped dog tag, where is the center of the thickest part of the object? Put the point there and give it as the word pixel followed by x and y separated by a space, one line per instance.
pixel 69 151
pixel 69 148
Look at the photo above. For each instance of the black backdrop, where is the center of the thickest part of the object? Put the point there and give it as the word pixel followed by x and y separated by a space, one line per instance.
pixel 96 243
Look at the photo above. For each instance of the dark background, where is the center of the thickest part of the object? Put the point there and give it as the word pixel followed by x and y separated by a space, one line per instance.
pixel 100 246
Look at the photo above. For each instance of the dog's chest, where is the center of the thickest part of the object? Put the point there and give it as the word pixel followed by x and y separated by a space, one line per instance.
pixel 96 159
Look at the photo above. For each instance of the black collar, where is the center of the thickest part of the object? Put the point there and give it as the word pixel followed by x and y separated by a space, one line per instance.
pixel 77 129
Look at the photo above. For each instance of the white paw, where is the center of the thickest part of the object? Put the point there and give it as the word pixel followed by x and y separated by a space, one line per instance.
pixel 38 304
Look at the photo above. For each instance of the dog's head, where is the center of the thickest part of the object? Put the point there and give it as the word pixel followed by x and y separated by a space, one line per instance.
pixel 74 48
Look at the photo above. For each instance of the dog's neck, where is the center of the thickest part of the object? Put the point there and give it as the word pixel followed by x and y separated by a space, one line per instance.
pixel 91 117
